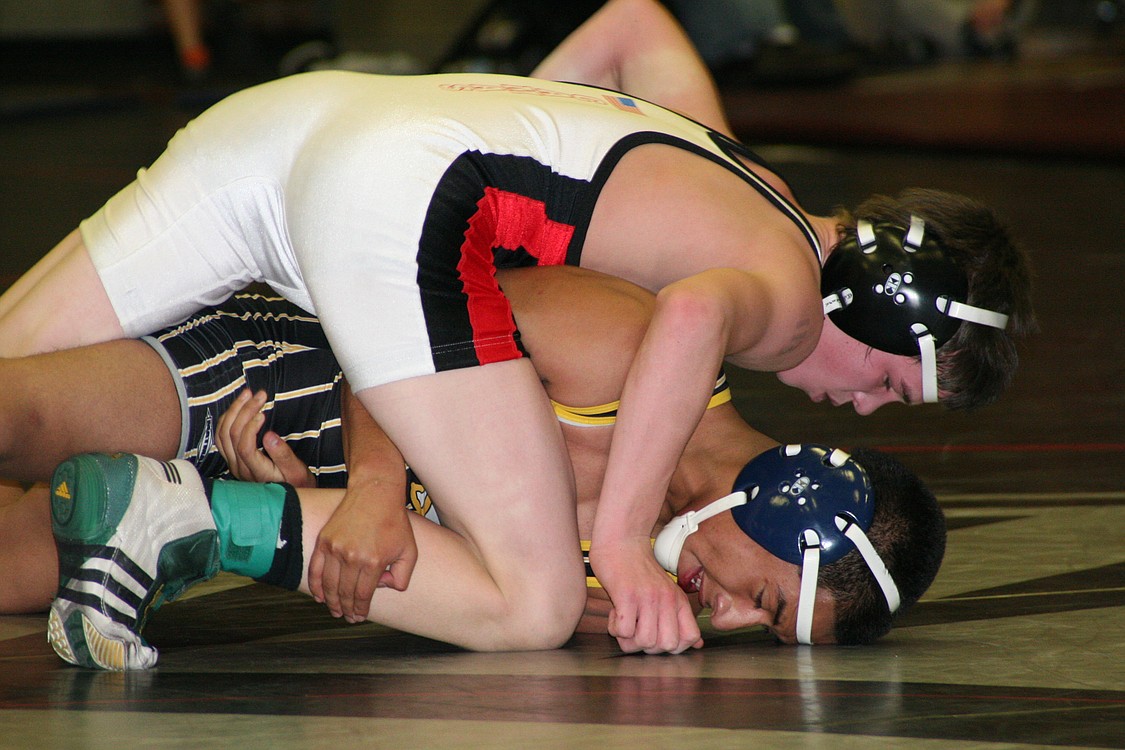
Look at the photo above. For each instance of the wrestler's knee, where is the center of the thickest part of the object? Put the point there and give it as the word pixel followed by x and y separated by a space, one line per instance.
pixel 542 615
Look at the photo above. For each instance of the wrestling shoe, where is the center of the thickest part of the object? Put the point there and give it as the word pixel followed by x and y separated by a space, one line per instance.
pixel 132 533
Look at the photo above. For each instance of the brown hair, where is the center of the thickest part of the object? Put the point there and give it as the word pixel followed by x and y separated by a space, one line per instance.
pixel 978 364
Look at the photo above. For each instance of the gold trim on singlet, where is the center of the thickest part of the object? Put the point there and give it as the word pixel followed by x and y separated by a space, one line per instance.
pixel 606 414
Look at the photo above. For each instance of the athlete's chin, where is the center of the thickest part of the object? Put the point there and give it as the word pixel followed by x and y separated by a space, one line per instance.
pixel 815 395
pixel 786 378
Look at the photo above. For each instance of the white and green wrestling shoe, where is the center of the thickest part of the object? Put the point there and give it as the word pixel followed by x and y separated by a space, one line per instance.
pixel 132 533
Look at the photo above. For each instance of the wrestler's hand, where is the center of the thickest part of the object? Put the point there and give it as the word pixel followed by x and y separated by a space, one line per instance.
pixel 595 617
pixel 368 543
pixel 650 612
pixel 237 438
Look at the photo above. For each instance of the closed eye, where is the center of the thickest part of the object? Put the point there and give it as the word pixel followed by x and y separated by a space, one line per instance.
pixel 901 391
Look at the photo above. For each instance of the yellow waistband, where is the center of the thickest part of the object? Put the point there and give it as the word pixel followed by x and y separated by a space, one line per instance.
pixel 606 414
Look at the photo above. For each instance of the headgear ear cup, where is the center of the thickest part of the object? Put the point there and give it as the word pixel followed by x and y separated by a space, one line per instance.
pixel 670 541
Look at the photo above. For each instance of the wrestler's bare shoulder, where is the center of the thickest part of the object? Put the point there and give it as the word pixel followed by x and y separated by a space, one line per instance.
pixel 665 213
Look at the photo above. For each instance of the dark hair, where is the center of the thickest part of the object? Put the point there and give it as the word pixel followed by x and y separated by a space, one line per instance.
pixel 908 531
pixel 979 362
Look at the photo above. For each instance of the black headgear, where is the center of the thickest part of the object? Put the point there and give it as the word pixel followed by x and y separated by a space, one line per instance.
pixel 897 291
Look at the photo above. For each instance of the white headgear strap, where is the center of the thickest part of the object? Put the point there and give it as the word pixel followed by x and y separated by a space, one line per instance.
pixel 810 571
pixel 913 239
pixel 874 562
pixel 865 234
pixel 978 315
pixel 670 541
pixel 929 362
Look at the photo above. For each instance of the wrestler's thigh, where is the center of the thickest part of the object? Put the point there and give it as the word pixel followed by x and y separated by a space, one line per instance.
pixel 32 276
pixel 117 396
pixel 485 443
pixel 59 304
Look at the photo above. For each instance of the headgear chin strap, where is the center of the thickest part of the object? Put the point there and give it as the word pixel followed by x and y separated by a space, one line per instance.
pixel 670 540
pixel 808 505
pixel 897 291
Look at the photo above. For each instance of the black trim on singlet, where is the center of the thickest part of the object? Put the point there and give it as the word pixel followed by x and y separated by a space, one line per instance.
pixel 728 146
pixel 456 202
pixel 733 149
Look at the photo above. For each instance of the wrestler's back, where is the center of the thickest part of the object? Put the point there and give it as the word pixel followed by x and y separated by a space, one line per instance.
pixel 327 180
pixel 663 213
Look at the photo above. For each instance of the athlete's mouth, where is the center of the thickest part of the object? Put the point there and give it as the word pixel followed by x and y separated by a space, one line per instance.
pixel 692 583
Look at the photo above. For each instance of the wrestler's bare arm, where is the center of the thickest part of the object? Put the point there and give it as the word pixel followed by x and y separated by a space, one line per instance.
pixel 638 47
pixel 368 543
pixel 698 321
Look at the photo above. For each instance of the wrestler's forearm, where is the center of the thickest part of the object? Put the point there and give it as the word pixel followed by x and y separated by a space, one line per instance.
pixel 369 539
pixel 372 459
pixel 638 47
pixel 665 395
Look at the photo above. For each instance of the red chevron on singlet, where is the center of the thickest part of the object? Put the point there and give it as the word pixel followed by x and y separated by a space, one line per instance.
pixel 507 221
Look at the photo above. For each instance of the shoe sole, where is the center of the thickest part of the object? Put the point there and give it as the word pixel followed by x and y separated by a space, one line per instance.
pixel 72 635
pixel 78 642
pixel 97 479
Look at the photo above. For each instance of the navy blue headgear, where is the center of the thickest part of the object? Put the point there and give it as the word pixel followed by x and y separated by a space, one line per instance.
pixel 803 487
pixel 898 291
pixel 805 504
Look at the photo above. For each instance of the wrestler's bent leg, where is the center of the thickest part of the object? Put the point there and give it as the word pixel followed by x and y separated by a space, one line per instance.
pixel 133 533
pixel 485 442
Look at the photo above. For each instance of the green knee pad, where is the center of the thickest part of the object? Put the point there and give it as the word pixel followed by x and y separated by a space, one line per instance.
pixel 248 517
